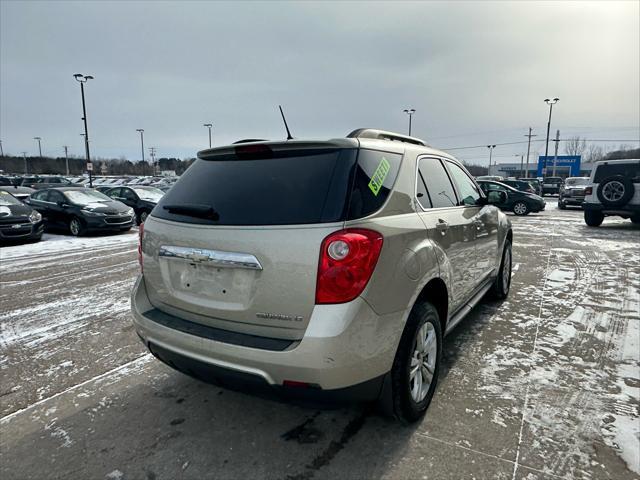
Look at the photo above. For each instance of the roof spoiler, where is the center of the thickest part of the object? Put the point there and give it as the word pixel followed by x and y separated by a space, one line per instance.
pixel 383 135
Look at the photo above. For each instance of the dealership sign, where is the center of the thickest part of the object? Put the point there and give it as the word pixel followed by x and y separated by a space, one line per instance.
pixel 562 161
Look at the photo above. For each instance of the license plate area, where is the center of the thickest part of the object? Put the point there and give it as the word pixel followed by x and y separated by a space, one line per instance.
pixel 209 286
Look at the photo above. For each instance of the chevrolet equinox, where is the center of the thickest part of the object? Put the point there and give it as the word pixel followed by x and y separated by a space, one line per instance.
pixel 322 269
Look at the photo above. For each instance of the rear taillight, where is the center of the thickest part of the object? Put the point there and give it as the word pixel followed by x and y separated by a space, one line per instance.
pixel 588 191
pixel 140 237
pixel 347 260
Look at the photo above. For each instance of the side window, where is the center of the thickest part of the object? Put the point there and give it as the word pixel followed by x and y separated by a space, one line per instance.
pixel 374 177
pixel 468 191
pixel 53 180
pixel 114 193
pixel 55 196
pixel 41 196
pixel 128 194
pixel 421 192
pixel 439 188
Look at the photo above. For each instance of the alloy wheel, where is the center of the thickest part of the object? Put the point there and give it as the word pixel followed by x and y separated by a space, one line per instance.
pixel 613 191
pixel 519 208
pixel 423 362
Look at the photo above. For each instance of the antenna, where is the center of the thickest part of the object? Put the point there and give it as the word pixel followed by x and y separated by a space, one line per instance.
pixel 289 137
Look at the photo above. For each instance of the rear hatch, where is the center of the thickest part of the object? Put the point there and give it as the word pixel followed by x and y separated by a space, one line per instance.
pixel 235 243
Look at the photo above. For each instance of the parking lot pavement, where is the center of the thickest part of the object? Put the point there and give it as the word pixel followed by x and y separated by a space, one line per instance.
pixel 544 385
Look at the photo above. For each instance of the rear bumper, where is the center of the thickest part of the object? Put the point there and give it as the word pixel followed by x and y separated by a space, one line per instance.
pixel 345 353
pixel 627 210
pixel 571 200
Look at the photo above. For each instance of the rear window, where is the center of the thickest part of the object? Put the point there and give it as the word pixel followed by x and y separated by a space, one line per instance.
pixel 631 170
pixel 283 187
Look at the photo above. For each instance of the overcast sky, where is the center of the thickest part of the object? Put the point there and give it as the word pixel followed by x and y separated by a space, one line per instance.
pixel 476 73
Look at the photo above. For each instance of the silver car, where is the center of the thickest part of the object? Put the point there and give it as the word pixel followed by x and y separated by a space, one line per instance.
pixel 319 269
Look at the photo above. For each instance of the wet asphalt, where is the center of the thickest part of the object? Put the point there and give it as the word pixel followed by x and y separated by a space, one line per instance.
pixel 543 385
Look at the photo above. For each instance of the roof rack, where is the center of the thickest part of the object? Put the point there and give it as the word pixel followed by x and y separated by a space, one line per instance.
pixel 383 135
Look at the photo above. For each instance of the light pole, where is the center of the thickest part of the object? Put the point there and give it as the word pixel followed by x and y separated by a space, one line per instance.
pixel 26 166
pixel 38 139
pixel 410 112
pixel 208 125
pixel 141 130
pixel 84 79
pixel 66 157
pixel 1 150
pixel 526 175
pixel 551 103
pixel 490 147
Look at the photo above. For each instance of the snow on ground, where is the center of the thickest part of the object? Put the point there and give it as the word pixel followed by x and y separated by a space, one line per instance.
pixel 52 243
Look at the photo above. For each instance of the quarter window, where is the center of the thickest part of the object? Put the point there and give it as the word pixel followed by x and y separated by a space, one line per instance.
pixel 439 187
pixel 468 191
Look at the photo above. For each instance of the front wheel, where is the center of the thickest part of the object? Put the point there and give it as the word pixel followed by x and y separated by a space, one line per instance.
pixel 593 218
pixel 415 368
pixel 561 206
pixel 75 227
pixel 521 208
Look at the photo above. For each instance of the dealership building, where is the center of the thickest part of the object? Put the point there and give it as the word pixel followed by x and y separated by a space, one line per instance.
pixel 566 166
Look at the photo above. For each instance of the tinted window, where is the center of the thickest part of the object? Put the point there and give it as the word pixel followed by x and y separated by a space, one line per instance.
pixel 438 184
pixel 631 170
pixel 114 192
pixel 128 194
pixel 421 192
pixel 42 196
pixel 4 181
pixel 55 196
pixel 258 186
pixel 468 191
pixel 375 174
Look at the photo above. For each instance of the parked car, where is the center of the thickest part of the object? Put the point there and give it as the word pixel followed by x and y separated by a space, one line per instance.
pixel 103 188
pixel 535 183
pixel 80 210
pixel 520 185
pixel 572 192
pixel 552 185
pixel 520 203
pixel 47 181
pixel 613 190
pixel 18 222
pixel 141 199
pixel 332 269
pixel 21 193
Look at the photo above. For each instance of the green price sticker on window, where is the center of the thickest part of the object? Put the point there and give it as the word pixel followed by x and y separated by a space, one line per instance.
pixel 377 179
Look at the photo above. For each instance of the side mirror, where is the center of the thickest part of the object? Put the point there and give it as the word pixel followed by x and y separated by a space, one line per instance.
pixel 495 197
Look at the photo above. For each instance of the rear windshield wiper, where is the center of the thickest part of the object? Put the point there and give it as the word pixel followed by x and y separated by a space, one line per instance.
pixel 197 210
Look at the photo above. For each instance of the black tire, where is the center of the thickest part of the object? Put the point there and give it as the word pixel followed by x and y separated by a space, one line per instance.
pixel 635 219
pixel 405 407
pixel 615 191
pixel 521 208
pixel 500 288
pixel 561 205
pixel 593 218
pixel 76 227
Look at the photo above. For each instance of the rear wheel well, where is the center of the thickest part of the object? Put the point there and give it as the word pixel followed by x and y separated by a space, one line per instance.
pixel 435 292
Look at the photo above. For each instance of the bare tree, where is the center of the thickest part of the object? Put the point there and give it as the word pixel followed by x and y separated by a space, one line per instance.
pixel 575 146
pixel 594 153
